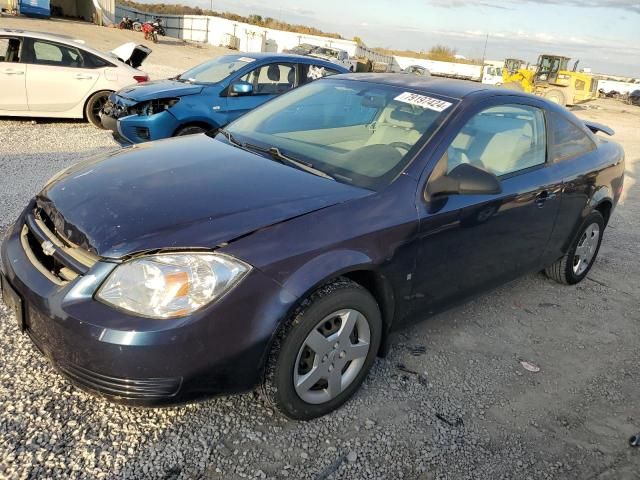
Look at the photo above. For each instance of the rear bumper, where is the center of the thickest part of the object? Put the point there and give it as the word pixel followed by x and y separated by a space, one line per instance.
pixel 126 359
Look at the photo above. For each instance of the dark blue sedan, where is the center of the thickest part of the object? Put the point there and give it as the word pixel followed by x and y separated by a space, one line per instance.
pixel 208 96
pixel 281 251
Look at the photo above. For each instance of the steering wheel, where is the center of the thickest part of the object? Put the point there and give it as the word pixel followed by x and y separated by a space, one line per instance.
pixel 402 145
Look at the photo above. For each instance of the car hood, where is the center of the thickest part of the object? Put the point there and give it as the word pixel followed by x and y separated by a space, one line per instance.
pixel 189 192
pixel 159 89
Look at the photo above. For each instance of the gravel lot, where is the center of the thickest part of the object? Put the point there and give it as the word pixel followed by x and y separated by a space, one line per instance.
pixel 450 401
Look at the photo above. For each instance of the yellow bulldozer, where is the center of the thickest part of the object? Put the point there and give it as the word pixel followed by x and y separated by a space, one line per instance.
pixel 551 79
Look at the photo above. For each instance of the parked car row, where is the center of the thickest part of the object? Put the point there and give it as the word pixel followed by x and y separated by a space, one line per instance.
pixel 208 96
pixel 280 251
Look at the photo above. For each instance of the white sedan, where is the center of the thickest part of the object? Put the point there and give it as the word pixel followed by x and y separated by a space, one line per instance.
pixel 45 75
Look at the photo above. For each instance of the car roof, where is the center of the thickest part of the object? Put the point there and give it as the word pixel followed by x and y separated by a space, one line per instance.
pixel 446 87
pixel 40 35
pixel 288 57
pixel 59 38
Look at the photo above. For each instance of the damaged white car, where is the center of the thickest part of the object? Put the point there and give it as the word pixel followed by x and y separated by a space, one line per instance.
pixel 46 75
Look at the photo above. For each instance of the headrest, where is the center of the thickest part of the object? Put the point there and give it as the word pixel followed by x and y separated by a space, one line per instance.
pixel 291 78
pixel 273 73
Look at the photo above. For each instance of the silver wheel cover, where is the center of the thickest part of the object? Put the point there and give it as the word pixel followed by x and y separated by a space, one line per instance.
pixel 586 249
pixel 332 356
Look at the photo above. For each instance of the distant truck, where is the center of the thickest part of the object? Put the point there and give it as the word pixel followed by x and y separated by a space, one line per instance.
pixel 335 55
pixel 35 8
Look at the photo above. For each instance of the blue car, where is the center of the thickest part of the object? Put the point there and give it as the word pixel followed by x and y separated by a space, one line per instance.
pixel 208 96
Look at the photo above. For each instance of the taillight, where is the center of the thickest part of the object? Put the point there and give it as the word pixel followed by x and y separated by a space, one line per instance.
pixel 141 78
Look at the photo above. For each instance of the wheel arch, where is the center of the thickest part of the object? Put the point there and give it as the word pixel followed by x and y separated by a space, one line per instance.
pixel 193 123
pixel 355 266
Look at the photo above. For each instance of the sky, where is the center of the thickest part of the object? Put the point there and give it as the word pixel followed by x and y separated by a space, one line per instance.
pixel 604 35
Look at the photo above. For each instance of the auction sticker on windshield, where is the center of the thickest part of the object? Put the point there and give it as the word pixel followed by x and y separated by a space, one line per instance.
pixel 423 101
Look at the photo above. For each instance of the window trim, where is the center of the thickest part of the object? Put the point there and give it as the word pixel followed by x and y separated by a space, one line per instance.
pixel 552 146
pixel 29 58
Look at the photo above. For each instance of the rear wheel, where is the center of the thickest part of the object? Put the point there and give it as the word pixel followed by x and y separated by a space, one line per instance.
pixel 94 106
pixel 575 265
pixel 190 130
pixel 324 352
pixel 556 96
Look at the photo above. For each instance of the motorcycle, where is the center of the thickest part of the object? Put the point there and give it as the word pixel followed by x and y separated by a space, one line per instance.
pixel 126 24
pixel 150 32
pixel 159 27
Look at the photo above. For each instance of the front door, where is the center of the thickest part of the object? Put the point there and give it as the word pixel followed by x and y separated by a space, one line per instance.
pixel 57 80
pixel 469 243
pixel 268 81
pixel 13 93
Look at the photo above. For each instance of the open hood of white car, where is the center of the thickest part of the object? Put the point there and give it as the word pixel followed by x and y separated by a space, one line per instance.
pixel 131 53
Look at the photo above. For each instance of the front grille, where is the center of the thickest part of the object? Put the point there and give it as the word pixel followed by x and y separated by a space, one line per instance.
pixel 55 257
pixel 130 388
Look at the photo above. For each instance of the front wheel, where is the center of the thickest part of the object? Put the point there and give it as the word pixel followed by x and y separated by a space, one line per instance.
pixel 190 130
pixel 574 266
pixel 324 352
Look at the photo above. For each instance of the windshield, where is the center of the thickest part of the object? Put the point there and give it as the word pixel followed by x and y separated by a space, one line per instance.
pixel 359 133
pixel 216 70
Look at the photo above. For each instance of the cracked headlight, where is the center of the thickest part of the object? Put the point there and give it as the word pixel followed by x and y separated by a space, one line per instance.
pixel 171 285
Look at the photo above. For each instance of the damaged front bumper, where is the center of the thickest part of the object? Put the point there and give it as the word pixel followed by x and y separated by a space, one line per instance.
pixel 128 125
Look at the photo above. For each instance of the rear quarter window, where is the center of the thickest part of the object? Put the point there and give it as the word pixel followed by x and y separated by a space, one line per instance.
pixel 569 141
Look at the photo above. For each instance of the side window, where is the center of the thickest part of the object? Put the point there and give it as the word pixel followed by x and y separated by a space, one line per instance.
pixel 314 72
pixel 54 54
pixel 501 140
pixel 92 61
pixel 569 141
pixel 9 50
pixel 272 79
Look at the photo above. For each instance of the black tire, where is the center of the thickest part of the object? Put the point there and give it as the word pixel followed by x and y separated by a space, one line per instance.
pixel 513 86
pixel 556 96
pixel 278 388
pixel 562 270
pixel 190 130
pixel 137 27
pixel 93 107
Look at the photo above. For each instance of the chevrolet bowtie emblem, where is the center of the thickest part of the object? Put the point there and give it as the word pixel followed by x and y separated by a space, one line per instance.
pixel 47 248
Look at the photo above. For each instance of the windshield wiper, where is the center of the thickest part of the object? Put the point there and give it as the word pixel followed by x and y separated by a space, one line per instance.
pixel 229 136
pixel 276 154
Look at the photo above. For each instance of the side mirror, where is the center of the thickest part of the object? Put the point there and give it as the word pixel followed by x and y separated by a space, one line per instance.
pixel 241 88
pixel 465 179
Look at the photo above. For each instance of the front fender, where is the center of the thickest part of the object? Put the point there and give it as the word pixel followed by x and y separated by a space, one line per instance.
pixel 324 267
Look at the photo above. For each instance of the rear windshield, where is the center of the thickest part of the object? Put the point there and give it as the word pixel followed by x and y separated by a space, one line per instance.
pixel 360 133
pixel 216 70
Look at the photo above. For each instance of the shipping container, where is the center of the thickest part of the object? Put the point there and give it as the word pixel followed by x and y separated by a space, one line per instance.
pixel 35 8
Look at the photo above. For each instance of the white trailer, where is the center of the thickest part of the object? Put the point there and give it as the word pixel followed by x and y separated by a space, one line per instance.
pixel 608 86
pixel 443 69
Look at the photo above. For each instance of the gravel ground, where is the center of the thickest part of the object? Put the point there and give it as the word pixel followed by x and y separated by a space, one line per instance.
pixel 451 401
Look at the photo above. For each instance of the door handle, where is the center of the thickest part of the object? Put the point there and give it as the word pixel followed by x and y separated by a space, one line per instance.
pixel 13 72
pixel 83 77
pixel 543 196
